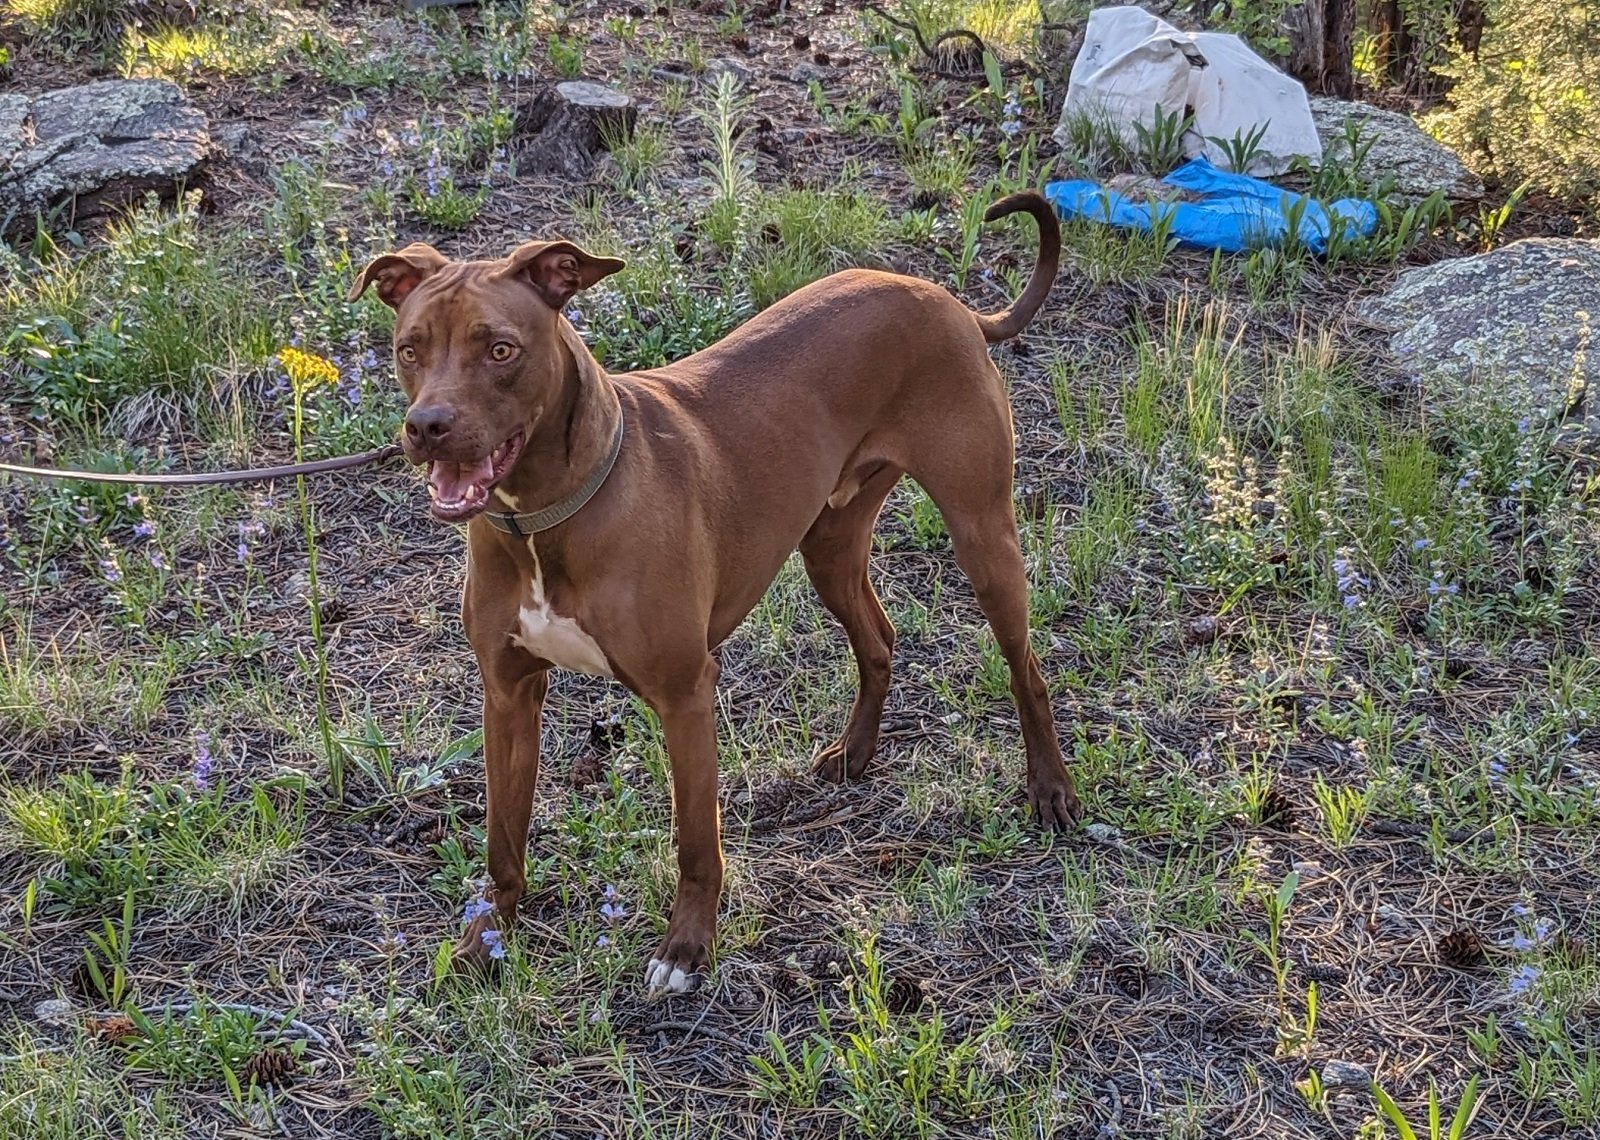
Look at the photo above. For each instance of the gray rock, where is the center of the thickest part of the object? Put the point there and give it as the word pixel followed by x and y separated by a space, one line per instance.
pixel 1345 1074
pixel 1102 833
pixel 716 67
pixel 808 72
pixel 235 140
pixel 97 147
pixel 56 1011
pixel 1399 147
pixel 1516 322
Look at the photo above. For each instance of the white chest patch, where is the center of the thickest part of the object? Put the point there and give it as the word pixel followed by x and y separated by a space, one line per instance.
pixel 552 636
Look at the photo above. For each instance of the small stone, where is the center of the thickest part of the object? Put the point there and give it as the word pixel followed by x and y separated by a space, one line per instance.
pixel 1345 1075
pixel 235 140
pixel 810 72
pixel 1202 630
pixel 56 1011
pixel 724 66
pixel 1103 833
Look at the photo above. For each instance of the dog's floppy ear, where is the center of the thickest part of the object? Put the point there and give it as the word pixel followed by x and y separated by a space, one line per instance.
pixel 558 269
pixel 396 274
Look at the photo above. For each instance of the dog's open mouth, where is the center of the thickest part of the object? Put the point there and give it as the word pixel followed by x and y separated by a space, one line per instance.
pixel 461 490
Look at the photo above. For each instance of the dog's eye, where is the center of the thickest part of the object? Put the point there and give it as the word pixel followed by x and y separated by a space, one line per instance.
pixel 501 351
pixel 407 354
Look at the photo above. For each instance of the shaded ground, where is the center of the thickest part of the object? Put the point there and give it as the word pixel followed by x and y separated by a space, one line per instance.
pixel 1201 448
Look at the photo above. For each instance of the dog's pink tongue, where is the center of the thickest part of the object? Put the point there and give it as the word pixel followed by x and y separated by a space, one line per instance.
pixel 452 481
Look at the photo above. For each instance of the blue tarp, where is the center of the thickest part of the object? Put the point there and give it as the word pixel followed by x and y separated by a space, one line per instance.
pixel 1238 212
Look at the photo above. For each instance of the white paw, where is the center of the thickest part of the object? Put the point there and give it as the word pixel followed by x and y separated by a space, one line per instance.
pixel 659 975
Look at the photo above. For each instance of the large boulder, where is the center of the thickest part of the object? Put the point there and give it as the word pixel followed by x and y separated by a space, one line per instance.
pixel 1419 164
pixel 97 147
pixel 1517 322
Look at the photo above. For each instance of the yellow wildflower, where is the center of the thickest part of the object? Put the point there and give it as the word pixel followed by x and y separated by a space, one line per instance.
pixel 306 369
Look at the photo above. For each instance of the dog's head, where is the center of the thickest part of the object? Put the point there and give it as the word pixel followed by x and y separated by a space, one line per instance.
pixel 477 349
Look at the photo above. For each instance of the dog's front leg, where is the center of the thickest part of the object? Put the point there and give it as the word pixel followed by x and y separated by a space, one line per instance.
pixel 513 701
pixel 689 721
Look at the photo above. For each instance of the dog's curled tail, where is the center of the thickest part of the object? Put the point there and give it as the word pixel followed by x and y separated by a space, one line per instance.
pixel 1007 324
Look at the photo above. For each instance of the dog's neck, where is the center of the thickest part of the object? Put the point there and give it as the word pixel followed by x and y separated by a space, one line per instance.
pixel 573 437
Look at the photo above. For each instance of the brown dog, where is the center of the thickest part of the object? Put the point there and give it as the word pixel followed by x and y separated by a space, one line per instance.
pixel 639 517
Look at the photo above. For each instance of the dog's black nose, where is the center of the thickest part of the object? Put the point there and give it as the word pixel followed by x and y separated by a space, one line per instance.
pixel 428 425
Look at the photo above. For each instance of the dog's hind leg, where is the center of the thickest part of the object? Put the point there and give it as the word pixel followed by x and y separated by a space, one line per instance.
pixel 836 551
pixel 967 473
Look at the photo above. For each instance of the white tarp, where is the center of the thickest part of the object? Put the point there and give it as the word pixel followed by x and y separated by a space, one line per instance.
pixel 1133 62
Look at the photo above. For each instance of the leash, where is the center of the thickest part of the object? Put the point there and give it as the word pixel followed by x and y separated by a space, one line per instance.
pixel 210 478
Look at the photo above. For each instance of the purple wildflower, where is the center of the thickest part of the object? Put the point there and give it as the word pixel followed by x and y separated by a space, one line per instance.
pixel 476 909
pixel 144 529
pixel 109 567
pixel 611 912
pixel 495 941
pixel 203 760
pixel 1525 978
pixel 603 941
pixel 1348 581
pixel 157 559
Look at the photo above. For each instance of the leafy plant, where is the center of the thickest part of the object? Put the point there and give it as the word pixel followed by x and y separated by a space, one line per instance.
pixel 1435 1129
pixel 1160 145
pixel 1241 151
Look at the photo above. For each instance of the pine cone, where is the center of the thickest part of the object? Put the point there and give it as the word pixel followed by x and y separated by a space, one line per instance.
pixel 1129 978
pixel 117 1027
pixel 770 801
pixel 903 996
pixel 827 963
pixel 587 770
pixel 272 1067
pixel 1278 811
pixel 1461 949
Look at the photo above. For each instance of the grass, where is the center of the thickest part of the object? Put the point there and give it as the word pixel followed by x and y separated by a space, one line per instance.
pixel 1321 654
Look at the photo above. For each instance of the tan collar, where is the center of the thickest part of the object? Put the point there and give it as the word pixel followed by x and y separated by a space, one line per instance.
pixel 523 525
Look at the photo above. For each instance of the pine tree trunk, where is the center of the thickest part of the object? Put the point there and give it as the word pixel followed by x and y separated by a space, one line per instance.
pixel 1338 51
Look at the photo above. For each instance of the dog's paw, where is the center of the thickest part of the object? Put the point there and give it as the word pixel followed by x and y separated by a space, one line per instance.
pixel 480 947
pixel 678 965
pixel 1054 802
pixel 836 765
pixel 665 977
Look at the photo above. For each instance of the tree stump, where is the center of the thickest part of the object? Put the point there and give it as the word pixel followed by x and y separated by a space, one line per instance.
pixel 565 126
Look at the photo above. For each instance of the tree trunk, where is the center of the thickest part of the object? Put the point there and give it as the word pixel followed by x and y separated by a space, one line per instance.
pixel 1338 52
pixel 1471 19
pixel 1320 34
pixel 1391 41
pixel 565 126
